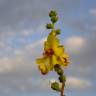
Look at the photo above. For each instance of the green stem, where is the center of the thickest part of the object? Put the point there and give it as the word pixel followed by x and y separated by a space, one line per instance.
pixel 62 89
pixel 53 26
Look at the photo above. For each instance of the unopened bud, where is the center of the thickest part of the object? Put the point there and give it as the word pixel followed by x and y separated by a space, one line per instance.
pixel 58 69
pixel 60 72
pixel 55 86
pixel 62 78
pixel 49 26
pixel 52 13
pixel 54 19
pixel 58 31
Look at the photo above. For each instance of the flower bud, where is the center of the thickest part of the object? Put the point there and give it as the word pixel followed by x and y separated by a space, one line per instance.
pixel 62 78
pixel 60 72
pixel 56 67
pixel 49 26
pixel 55 86
pixel 58 31
pixel 52 13
pixel 54 19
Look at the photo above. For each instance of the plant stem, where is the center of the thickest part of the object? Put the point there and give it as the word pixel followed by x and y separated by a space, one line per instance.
pixel 62 89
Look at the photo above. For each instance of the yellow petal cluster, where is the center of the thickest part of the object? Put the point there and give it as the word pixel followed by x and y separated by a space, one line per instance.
pixel 53 54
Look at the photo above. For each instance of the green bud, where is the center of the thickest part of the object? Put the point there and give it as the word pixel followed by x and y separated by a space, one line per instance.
pixel 55 86
pixel 60 72
pixel 62 78
pixel 49 26
pixel 52 13
pixel 54 19
pixel 56 67
pixel 58 31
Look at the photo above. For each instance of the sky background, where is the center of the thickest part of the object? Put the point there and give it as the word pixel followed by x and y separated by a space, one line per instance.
pixel 22 33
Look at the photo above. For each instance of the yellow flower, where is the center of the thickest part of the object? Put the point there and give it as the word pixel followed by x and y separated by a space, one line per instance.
pixel 53 54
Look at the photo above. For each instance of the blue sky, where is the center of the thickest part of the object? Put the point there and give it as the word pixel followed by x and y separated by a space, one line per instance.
pixel 22 33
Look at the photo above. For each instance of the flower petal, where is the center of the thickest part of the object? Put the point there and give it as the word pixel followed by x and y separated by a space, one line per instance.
pixel 40 60
pixel 54 60
pixel 49 64
pixel 64 59
pixel 51 36
pixel 46 45
pixel 52 40
pixel 55 42
pixel 59 50
pixel 43 68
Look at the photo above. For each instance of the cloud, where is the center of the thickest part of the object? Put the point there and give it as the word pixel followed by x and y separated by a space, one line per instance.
pixel 26 32
pixel 35 44
pixel 16 85
pixel 5 65
pixel 75 43
pixel 77 83
pixel 22 14
pixel 19 62
pixel 17 15
pixel 83 59
pixel 2 45
pixel 92 11
pixel 9 64
pixel 72 83
pixel 20 57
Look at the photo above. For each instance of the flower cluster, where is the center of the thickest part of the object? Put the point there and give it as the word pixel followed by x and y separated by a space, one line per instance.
pixel 54 52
